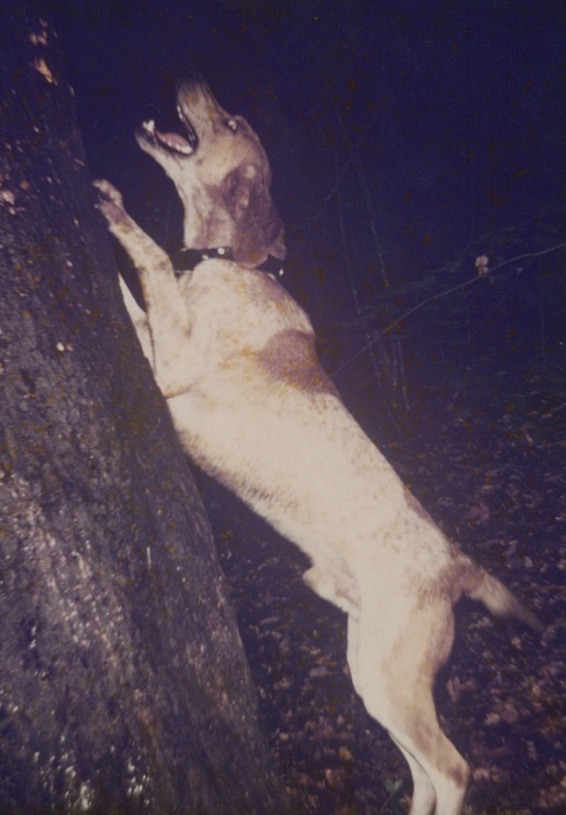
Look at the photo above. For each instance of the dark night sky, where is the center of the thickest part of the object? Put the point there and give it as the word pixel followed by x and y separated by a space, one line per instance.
pixel 451 114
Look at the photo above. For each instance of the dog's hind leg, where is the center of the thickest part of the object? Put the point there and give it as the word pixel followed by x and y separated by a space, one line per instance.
pixel 161 332
pixel 393 669
pixel 424 796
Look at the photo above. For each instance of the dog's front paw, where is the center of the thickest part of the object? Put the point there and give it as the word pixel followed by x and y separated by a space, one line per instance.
pixel 109 201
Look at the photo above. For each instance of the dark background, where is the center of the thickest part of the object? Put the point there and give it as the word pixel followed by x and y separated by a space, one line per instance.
pixel 405 140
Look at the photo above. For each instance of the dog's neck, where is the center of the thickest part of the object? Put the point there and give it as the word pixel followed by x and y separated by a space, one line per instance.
pixel 185 260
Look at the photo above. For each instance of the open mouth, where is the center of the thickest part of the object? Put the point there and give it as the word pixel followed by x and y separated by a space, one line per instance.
pixel 172 142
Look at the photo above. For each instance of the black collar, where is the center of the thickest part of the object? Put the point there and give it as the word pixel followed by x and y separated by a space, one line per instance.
pixel 185 260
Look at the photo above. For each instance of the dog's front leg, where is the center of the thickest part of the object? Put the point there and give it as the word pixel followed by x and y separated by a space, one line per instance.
pixel 161 332
pixel 139 319
pixel 339 589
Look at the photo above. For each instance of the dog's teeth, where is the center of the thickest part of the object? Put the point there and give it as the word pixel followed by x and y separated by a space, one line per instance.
pixel 150 125
pixel 180 148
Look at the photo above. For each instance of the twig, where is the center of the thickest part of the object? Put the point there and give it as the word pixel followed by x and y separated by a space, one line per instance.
pixel 354 156
pixel 353 286
pixel 340 175
pixel 387 329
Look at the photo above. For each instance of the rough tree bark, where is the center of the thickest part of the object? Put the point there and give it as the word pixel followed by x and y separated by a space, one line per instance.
pixel 123 684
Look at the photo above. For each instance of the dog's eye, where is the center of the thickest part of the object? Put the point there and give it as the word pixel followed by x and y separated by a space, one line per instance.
pixel 232 124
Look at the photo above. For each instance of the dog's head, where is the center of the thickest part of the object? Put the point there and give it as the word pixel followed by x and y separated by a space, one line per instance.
pixel 222 175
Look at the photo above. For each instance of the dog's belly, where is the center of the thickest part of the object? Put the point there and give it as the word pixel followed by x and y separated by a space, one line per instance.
pixel 308 468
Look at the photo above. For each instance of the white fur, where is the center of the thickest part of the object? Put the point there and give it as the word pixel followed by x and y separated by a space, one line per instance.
pixel 234 356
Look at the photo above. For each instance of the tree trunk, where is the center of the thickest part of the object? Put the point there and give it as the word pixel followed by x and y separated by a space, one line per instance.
pixel 123 684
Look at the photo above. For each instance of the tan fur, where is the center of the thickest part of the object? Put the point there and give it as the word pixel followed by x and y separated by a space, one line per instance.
pixel 235 357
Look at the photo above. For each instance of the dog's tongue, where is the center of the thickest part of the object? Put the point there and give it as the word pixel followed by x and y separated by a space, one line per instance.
pixel 174 141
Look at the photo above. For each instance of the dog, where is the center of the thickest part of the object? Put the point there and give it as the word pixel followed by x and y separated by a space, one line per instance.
pixel 234 356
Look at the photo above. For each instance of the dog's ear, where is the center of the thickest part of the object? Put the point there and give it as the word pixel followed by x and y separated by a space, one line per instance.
pixel 258 227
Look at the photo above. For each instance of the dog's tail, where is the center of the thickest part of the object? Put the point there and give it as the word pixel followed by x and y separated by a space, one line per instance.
pixel 476 583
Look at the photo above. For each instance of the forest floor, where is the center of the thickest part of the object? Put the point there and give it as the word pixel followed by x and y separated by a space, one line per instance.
pixel 488 464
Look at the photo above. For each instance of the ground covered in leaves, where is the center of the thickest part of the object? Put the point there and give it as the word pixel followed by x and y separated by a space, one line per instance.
pixel 488 464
